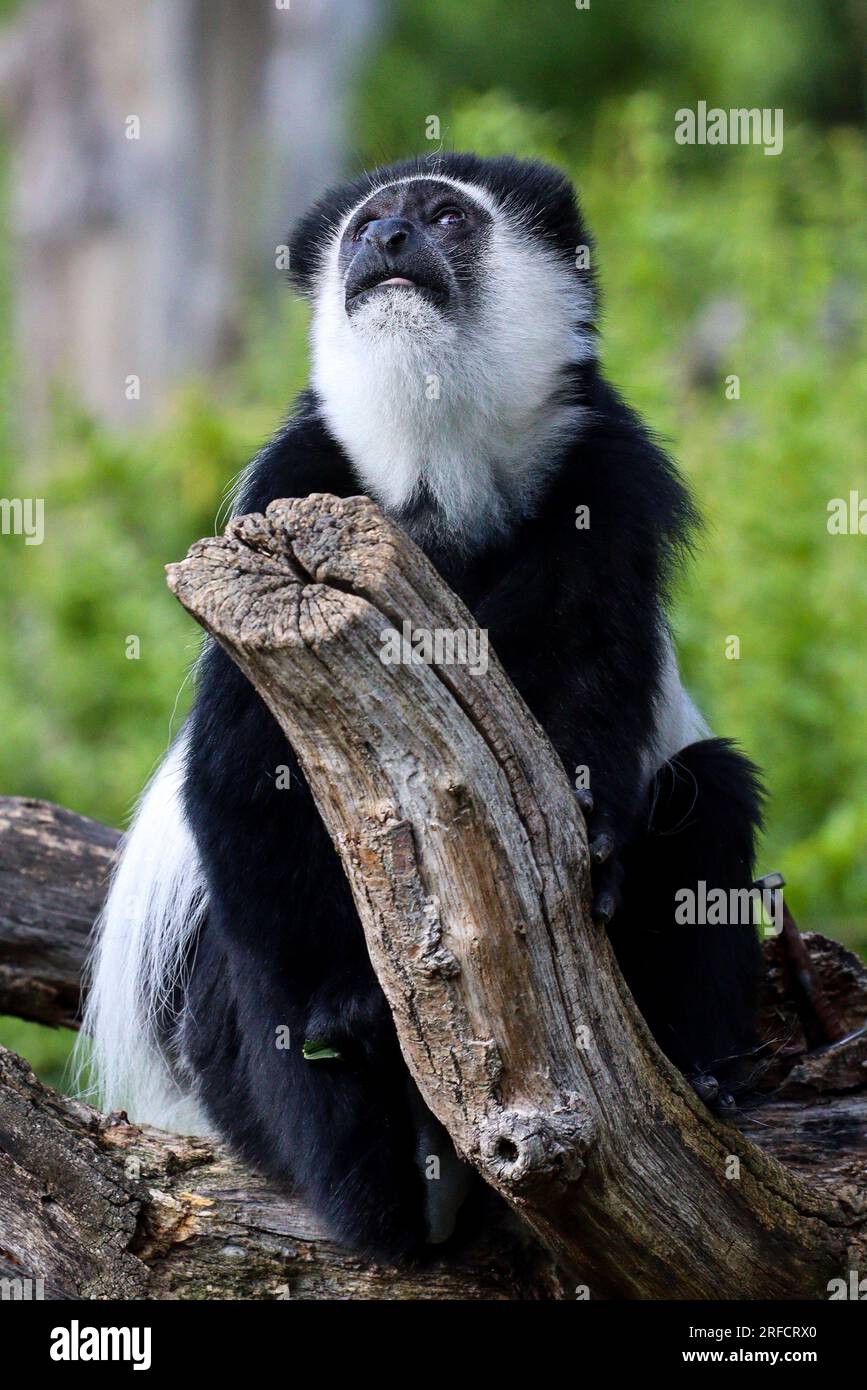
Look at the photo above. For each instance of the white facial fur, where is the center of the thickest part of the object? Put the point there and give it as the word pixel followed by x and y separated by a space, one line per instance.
pixel 465 407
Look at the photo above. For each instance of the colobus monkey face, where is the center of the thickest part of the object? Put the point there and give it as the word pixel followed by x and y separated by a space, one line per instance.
pixel 421 239
pixel 450 312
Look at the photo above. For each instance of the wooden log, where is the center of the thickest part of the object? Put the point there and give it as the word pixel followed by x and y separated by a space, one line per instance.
pixel 100 1208
pixel 54 869
pixel 468 861
pixel 467 857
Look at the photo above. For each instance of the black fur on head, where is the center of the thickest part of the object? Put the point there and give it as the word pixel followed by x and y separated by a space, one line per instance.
pixel 532 194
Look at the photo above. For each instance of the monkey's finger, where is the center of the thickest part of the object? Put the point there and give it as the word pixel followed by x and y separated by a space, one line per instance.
pixel 705 1086
pixel 601 847
pixel 607 879
pixel 604 908
pixel 584 797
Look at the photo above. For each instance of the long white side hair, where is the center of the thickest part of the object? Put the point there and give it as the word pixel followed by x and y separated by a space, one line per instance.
pixel 155 906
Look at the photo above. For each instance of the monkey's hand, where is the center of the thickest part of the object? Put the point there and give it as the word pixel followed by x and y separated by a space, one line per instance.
pixel 708 1089
pixel 353 1023
pixel 605 860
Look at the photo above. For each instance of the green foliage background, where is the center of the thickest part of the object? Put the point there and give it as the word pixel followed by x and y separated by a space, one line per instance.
pixel 778 242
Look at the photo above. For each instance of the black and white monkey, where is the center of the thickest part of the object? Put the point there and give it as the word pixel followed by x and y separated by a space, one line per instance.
pixel 229 916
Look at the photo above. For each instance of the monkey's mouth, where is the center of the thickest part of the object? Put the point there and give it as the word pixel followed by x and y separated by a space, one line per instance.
pixel 384 281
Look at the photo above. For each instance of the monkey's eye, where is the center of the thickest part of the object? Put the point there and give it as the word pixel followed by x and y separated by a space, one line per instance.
pixel 447 217
pixel 359 231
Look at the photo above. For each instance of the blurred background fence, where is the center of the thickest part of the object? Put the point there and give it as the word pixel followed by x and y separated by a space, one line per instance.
pixel 153 155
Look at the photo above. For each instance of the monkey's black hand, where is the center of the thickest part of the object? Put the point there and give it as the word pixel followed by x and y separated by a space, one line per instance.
pixel 355 1027
pixel 717 1100
pixel 606 865
pixel 606 870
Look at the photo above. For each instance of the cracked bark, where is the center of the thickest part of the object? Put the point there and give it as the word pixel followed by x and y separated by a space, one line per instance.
pixel 100 1208
pixel 467 857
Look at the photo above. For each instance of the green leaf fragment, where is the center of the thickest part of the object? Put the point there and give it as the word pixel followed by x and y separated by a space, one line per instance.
pixel 316 1051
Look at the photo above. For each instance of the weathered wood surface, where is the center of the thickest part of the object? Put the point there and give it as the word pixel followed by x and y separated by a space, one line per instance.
pixel 467 856
pixel 54 869
pixel 101 1208
pixel 468 860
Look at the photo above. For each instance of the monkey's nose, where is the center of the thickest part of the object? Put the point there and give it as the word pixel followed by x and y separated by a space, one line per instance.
pixel 388 233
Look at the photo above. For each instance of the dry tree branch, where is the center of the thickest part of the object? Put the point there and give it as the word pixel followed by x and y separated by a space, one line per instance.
pixel 467 857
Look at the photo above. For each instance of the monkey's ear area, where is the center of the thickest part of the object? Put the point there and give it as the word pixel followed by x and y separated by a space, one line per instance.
pixel 538 195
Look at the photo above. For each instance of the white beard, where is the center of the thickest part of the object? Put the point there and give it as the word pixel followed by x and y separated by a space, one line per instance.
pixel 465 410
